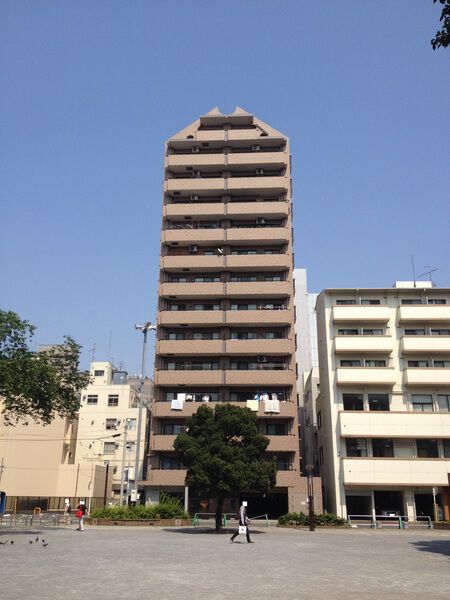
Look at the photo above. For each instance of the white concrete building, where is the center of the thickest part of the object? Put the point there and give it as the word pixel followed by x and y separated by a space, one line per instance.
pixel 383 413
pixel 109 407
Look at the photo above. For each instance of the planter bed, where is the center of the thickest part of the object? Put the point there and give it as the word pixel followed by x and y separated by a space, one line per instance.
pixel 441 525
pixel 141 522
pixel 306 527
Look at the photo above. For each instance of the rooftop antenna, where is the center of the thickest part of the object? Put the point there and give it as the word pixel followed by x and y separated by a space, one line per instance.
pixel 430 270
pixel 109 345
pixel 92 351
pixel 413 270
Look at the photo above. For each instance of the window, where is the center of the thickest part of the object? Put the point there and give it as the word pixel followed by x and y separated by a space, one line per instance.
pixel 441 364
pixel 131 423
pixel 411 301
pixel 422 402
pixel 356 447
pixel 345 302
pixel 91 399
pixel 283 463
pixel 348 332
pixel 446 444
pixel 440 332
pixel 350 363
pixel 205 335
pixel 272 335
pixel 321 455
pixel 443 401
pixel 276 429
pixel 373 332
pixel 418 364
pixel 113 400
pixel 176 335
pixel 170 463
pixel 382 448
pixel 378 402
pixel 109 447
pixel 243 278
pixel 414 331
pixel 244 335
pixel 206 306
pixel 370 301
pixel 319 420
pixel 374 363
pixel 437 301
pixel 353 401
pixel 111 423
pixel 427 449
pixel 99 373
pixel 176 307
pixel 212 279
pixel 172 428
pixel 273 278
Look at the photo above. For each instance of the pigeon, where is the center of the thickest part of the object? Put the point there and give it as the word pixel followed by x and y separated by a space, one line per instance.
pixel 3 543
pixel 43 541
pixel 37 539
pixel 31 542
pixel 44 545
pixel 12 541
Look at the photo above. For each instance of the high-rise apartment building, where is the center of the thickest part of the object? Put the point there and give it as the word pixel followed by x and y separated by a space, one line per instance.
pixel 225 304
pixel 383 412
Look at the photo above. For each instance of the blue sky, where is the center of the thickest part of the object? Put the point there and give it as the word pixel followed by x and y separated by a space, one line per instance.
pixel 91 89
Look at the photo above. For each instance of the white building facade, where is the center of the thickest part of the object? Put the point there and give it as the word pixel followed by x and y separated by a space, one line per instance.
pixel 383 413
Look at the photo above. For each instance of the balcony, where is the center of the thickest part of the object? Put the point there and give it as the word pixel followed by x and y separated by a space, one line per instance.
pixel 162 443
pixel 192 236
pixel 428 313
pixel 160 477
pixel 259 317
pixel 262 209
pixel 215 185
pixel 260 377
pixel 224 161
pixel 269 160
pixel 365 376
pixel 193 209
pixel 259 262
pixel 179 162
pixel 191 290
pixel 195 262
pixel 275 235
pixel 382 344
pixel 426 343
pixel 192 317
pixel 427 376
pixel 259 289
pixel 394 424
pixel 282 443
pixel 190 347
pixel 268 184
pixel 395 471
pixel 269 347
pixel 188 377
pixel 361 313
pixel 163 410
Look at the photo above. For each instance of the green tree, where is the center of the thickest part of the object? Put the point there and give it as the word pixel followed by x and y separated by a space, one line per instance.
pixel 224 454
pixel 37 385
pixel 442 37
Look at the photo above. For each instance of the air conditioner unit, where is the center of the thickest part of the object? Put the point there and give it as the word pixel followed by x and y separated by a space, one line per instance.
pixel 194 197
pixel 260 171
pixel 193 249
pixel 256 148
pixel 262 359
pixel 195 149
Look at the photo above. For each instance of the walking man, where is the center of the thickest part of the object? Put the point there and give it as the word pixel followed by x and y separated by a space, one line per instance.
pixel 244 521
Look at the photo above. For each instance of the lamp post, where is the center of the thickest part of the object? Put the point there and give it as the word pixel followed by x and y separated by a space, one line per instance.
pixel 145 328
pixel 309 471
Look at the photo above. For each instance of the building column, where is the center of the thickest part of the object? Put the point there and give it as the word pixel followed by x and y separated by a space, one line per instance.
pixel 186 498
pixel 409 503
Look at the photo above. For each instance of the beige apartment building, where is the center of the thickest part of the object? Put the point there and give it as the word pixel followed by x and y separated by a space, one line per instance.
pixel 225 304
pixel 383 412
pixel 107 426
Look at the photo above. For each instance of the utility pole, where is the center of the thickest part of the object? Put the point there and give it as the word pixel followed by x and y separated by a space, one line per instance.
pixel 105 494
pixel 145 328
pixel 122 466
pixel 2 466
pixel 309 470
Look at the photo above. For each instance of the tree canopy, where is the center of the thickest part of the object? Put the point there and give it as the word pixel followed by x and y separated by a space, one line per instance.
pixel 37 386
pixel 224 454
pixel 442 37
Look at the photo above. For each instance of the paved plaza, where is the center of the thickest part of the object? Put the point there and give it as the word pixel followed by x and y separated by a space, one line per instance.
pixel 136 562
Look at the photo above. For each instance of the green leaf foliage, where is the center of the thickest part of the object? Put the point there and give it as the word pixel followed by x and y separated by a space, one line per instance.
pixel 167 508
pixel 224 453
pixel 301 519
pixel 37 386
pixel 442 38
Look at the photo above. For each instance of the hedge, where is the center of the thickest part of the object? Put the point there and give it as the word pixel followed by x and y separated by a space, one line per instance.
pixel 329 519
pixel 167 508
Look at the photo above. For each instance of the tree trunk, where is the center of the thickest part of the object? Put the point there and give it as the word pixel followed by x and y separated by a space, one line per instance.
pixel 219 513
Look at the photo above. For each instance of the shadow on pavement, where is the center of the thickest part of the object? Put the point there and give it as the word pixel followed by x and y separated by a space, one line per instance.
pixel 208 530
pixel 436 546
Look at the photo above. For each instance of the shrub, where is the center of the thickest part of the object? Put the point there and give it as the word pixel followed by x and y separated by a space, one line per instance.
pixel 167 508
pixel 320 520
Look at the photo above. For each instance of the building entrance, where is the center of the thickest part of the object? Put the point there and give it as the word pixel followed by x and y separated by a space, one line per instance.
pixel 389 503
pixel 424 505
pixel 358 505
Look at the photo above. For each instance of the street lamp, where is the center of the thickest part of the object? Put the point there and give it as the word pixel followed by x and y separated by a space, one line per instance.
pixel 309 471
pixel 145 328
